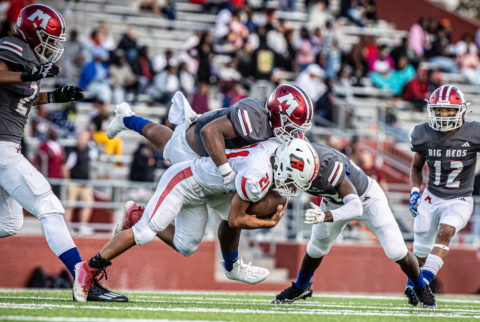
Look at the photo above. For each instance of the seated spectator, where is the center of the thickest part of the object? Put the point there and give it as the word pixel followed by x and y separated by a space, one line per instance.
pixel 396 80
pixel 187 80
pixel 416 90
pixel 310 80
pixel 466 43
pixel 318 15
pixel 371 49
pixel 388 111
pixel 221 25
pixel 325 105
pixel 438 53
pixel 160 61
pixel 234 95
pixel 470 66
pixel 109 42
pixel 49 159
pixel 418 37
pixel 238 32
pixel 434 81
pixel 200 99
pixel 404 50
pixel 343 86
pixel 244 57
pixel 128 44
pixel 165 85
pixel 122 77
pixel 94 77
pixel 304 47
pixel 98 127
pixel 142 67
pixel 94 46
pixel 381 63
pixel 77 167
pixel 143 164
pixel 228 75
pixel 354 11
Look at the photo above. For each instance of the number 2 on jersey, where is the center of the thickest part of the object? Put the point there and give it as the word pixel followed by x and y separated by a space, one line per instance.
pixel 456 166
pixel 22 107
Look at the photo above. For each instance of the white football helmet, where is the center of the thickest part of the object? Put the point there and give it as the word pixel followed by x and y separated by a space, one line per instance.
pixel 296 166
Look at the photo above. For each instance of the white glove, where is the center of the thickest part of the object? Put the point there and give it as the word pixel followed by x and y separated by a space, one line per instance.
pixel 314 215
pixel 229 182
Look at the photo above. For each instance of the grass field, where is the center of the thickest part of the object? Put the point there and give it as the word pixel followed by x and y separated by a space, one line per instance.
pixel 53 306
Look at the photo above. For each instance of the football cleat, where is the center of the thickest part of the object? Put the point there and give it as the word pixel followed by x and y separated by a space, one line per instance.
pixel 246 273
pixel 131 215
pixel 411 296
pixel 84 279
pixel 292 294
pixel 116 126
pixel 426 297
pixel 99 293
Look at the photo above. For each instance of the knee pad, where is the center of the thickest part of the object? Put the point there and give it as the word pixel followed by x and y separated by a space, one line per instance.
pixel 49 205
pixel 421 251
pixel 396 250
pixel 317 250
pixel 10 229
pixel 142 233
pixel 186 248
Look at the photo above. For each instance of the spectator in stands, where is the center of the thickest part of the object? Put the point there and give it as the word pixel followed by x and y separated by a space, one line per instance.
pixel 358 56
pixel 11 15
pixel 98 127
pixel 438 54
pixel 288 5
pixel 354 11
pixel 244 56
pixel 416 90
pixel 278 43
pixel 466 43
pixel 343 86
pixel 352 150
pixel 186 79
pixel 143 164
pixel 470 66
pixel 368 166
pixel 404 50
pixel 310 80
pixel 434 81
pixel 94 77
pixel 142 67
pixel 370 9
pixel 122 77
pixel 128 44
pixel 228 75
pixel 418 37
pixel 381 62
pixel 387 113
pixel 292 53
pixel 166 84
pixel 94 46
pixel 325 104
pixel 371 49
pixel 200 99
pixel 318 15
pixel 203 52
pixel 237 33
pixel 263 58
pixel 160 61
pixel 249 23
pixel 396 80
pixel 64 118
pixel 109 42
pixel 40 126
pixel 73 57
pixel 304 47
pixel 221 24
pixel 77 167
pixel 234 95
pixel 330 52
pixel 49 159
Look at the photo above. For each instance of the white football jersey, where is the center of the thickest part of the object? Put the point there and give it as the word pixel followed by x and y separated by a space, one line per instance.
pixel 253 168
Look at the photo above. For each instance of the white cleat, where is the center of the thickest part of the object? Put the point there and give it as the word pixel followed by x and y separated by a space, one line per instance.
pixel 246 273
pixel 116 126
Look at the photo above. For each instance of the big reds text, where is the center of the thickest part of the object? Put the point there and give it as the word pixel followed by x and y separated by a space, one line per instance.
pixel 448 153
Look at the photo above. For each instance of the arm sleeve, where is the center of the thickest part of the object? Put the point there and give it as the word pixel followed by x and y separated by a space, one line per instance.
pixel 351 209
pixel 334 173
pixel 249 190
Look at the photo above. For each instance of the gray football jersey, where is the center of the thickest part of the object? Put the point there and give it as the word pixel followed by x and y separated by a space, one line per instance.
pixel 16 99
pixel 451 159
pixel 249 118
pixel 334 166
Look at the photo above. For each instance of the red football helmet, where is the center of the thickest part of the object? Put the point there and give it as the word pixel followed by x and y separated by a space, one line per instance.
pixel 42 27
pixel 447 96
pixel 290 111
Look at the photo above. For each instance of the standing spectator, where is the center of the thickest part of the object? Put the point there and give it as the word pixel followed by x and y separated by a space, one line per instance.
pixel 50 158
pixel 143 164
pixel 263 58
pixel 166 84
pixel 203 53
pixel 200 99
pixel 128 44
pixel 94 77
pixel 358 57
pixel 418 37
pixel 310 80
pixel 416 90
pixel 77 167
pixel 122 77
pixel 73 57
pixel 304 48
pixel 292 53
pixel 142 67
pixel 187 80
pixel 330 52
pixel 244 57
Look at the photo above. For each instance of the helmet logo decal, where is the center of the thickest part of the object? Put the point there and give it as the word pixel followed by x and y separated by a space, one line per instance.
pixel 45 18
pixel 296 162
pixel 291 103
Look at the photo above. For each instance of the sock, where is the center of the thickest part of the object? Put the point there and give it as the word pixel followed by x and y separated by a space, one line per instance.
pixel 303 280
pixel 409 282
pixel 230 259
pixel 71 258
pixel 417 282
pixel 431 267
pixel 60 242
pixel 135 123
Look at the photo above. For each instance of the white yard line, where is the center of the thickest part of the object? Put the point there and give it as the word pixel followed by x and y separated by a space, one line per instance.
pixel 243 311
pixel 67 319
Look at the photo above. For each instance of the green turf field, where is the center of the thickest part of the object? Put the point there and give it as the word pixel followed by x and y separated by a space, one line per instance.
pixel 53 306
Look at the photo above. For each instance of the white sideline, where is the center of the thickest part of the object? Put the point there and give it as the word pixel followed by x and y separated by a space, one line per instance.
pixel 209 310
pixel 67 319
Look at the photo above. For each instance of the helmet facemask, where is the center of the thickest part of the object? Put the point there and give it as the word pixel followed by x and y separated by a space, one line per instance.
pixel 284 180
pixel 445 124
pixel 46 41
pixel 289 130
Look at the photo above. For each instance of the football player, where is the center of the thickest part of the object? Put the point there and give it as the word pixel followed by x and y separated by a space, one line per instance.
pixel 184 189
pixel 348 194
pixel 448 144
pixel 26 57
pixel 285 115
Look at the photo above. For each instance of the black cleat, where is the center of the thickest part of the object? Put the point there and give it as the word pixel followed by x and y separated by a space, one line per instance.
pixel 292 294
pixel 98 293
pixel 411 296
pixel 426 297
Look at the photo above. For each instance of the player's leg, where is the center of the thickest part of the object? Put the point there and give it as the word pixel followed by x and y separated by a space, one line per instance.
pixel 452 220
pixel 11 215
pixel 321 241
pixel 173 191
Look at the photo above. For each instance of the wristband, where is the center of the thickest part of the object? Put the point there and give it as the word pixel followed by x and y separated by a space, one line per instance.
pixel 51 98
pixel 225 169
pixel 415 189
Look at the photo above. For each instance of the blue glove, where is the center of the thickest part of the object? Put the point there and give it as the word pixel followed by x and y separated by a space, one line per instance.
pixel 414 202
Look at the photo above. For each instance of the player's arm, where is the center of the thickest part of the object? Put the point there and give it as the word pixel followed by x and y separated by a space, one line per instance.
pixel 62 94
pixel 214 135
pixel 238 217
pixel 41 99
pixel 9 74
pixel 416 176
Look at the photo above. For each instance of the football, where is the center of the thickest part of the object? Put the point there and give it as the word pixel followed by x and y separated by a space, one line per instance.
pixel 267 206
